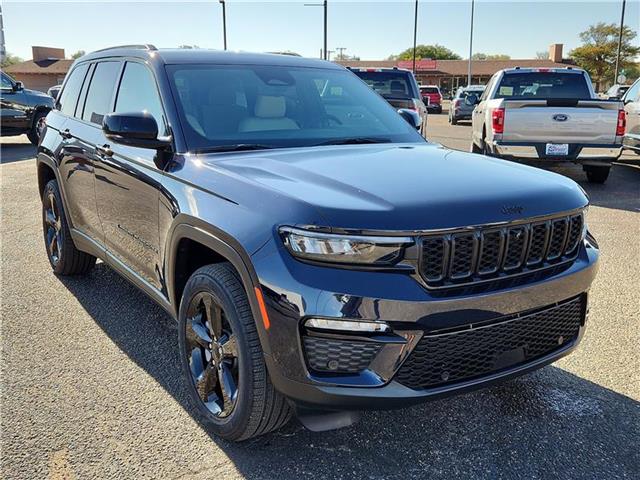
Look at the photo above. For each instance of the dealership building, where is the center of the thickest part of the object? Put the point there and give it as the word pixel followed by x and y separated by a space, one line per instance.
pixel 450 74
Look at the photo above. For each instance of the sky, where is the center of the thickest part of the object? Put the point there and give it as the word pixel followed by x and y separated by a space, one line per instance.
pixel 370 29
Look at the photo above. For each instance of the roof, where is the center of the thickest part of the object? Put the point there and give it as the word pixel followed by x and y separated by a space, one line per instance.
pixel 55 67
pixel 171 56
pixel 460 67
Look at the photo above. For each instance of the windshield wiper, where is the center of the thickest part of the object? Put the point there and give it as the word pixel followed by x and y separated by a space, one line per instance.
pixel 235 147
pixel 353 141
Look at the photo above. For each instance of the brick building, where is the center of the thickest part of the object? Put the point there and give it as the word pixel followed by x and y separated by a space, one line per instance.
pixel 47 68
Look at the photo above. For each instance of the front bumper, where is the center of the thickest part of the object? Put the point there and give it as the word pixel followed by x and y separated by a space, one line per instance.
pixel 295 291
pixel 584 154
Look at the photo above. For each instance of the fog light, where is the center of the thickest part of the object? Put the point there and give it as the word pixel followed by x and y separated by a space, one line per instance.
pixel 347 325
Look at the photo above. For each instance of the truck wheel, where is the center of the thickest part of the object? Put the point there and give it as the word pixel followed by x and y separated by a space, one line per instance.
pixel 222 359
pixel 597 174
pixel 475 148
pixel 64 257
pixel 38 126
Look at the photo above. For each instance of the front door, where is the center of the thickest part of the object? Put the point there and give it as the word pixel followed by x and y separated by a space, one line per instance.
pixel 128 182
pixel 13 109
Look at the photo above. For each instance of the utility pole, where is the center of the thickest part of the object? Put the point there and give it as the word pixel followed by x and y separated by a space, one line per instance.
pixel 470 45
pixel 615 80
pixel 3 50
pixel 324 6
pixel 415 36
pixel 341 52
pixel 224 22
pixel 329 52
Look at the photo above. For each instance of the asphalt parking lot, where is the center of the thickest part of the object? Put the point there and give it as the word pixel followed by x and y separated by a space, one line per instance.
pixel 91 385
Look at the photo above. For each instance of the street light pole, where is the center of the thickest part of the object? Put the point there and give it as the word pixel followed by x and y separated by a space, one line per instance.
pixel 615 80
pixel 470 46
pixel 224 22
pixel 324 5
pixel 415 36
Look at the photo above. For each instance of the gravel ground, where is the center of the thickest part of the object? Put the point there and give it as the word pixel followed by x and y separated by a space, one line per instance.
pixel 91 385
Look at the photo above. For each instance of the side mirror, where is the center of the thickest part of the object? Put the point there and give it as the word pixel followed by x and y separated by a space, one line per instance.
pixel 18 86
pixel 411 117
pixel 138 129
pixel 472 99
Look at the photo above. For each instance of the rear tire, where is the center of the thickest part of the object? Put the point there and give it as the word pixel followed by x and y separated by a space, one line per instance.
pixel 64 257
pixel 597 174
pixel 36 129
pixel 244 404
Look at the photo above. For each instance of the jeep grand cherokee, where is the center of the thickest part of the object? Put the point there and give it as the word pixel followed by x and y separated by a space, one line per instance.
pixel 318 254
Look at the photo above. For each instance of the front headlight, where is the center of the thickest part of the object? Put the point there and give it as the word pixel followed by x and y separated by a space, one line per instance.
pixel 326 247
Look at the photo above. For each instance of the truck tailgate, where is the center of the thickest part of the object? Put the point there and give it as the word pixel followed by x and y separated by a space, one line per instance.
pixel 584 121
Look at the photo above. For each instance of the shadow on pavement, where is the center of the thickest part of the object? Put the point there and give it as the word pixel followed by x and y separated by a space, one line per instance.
pixel 15 152
pixel 548 424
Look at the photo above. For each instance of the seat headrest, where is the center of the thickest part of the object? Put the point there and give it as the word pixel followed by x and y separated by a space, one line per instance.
pixel 397 86
pixel 268 106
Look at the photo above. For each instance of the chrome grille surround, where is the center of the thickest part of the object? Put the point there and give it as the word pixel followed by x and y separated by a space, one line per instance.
pixel 467 256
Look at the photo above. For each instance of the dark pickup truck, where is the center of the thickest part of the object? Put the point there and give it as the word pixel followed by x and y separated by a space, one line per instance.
pixel 319 255
pixel 22 110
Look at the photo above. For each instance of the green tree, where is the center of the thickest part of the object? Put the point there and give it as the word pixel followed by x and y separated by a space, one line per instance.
pixel 78 54
pixel 484 56
pixel 11 59
pixel 597 54
pixel 433 52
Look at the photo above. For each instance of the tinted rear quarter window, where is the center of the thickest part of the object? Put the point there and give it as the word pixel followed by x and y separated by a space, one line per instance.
pixel 543 85
pixel 100 93
pixel 68 99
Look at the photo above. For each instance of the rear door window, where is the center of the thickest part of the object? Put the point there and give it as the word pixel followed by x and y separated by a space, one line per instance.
pixel 68 99
pixel 543 85
pixel 100 94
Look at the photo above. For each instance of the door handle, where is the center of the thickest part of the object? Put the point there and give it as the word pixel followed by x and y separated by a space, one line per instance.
pixel 104 150
pixel 66 134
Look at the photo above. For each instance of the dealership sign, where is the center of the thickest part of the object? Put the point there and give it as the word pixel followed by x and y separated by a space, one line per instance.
pixel 420 64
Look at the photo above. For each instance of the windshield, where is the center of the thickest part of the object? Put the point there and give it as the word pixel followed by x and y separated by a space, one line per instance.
pixel 280 106
pixel 543 85
pixel 392 84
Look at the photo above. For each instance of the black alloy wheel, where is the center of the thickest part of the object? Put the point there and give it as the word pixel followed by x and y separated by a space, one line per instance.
pixel 212 351
pixel 53 232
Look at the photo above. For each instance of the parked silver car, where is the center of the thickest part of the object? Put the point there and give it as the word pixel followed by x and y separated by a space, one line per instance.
pixel 548 115
pixel 461 108
pixel 631 102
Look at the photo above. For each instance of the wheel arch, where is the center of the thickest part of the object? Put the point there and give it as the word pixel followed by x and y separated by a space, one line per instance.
pixel 190 233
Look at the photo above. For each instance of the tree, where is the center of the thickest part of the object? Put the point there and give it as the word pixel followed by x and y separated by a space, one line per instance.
pixel 597 54
pixel 78 54
pixel 11 59
pixel 484 56
pixel 542 55
pixel 433 52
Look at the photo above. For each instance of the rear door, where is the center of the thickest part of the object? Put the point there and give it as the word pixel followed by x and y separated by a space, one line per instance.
pixel 75 154
pixel 128 181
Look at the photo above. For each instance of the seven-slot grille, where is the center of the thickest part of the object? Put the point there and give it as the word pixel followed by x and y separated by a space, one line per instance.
pixel 487 253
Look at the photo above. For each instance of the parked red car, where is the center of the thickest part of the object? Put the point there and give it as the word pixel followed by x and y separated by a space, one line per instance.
pixel 431 92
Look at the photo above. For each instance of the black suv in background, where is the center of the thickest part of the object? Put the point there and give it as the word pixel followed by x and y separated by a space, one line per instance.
pixel 398 87
pixel 23 111
pixel 318 254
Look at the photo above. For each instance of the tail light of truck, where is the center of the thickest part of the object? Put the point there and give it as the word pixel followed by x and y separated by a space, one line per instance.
pixel 622 123
pixel 497 120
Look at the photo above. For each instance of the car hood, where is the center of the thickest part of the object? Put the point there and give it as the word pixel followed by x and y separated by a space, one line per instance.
pixel 405 186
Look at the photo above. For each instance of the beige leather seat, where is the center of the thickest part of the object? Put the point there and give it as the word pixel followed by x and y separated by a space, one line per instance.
pixel 269 115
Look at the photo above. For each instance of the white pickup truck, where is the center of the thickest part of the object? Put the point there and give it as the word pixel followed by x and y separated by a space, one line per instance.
pixel 548 115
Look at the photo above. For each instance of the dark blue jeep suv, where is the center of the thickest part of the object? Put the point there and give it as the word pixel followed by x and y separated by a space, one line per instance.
pixel 319 255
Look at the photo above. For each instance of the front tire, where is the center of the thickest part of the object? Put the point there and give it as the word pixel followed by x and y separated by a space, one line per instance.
pixel 597 174
pixel 222 359
pixel 64 257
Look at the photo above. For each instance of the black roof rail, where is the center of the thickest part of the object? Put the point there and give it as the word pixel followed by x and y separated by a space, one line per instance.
pixel 144 46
